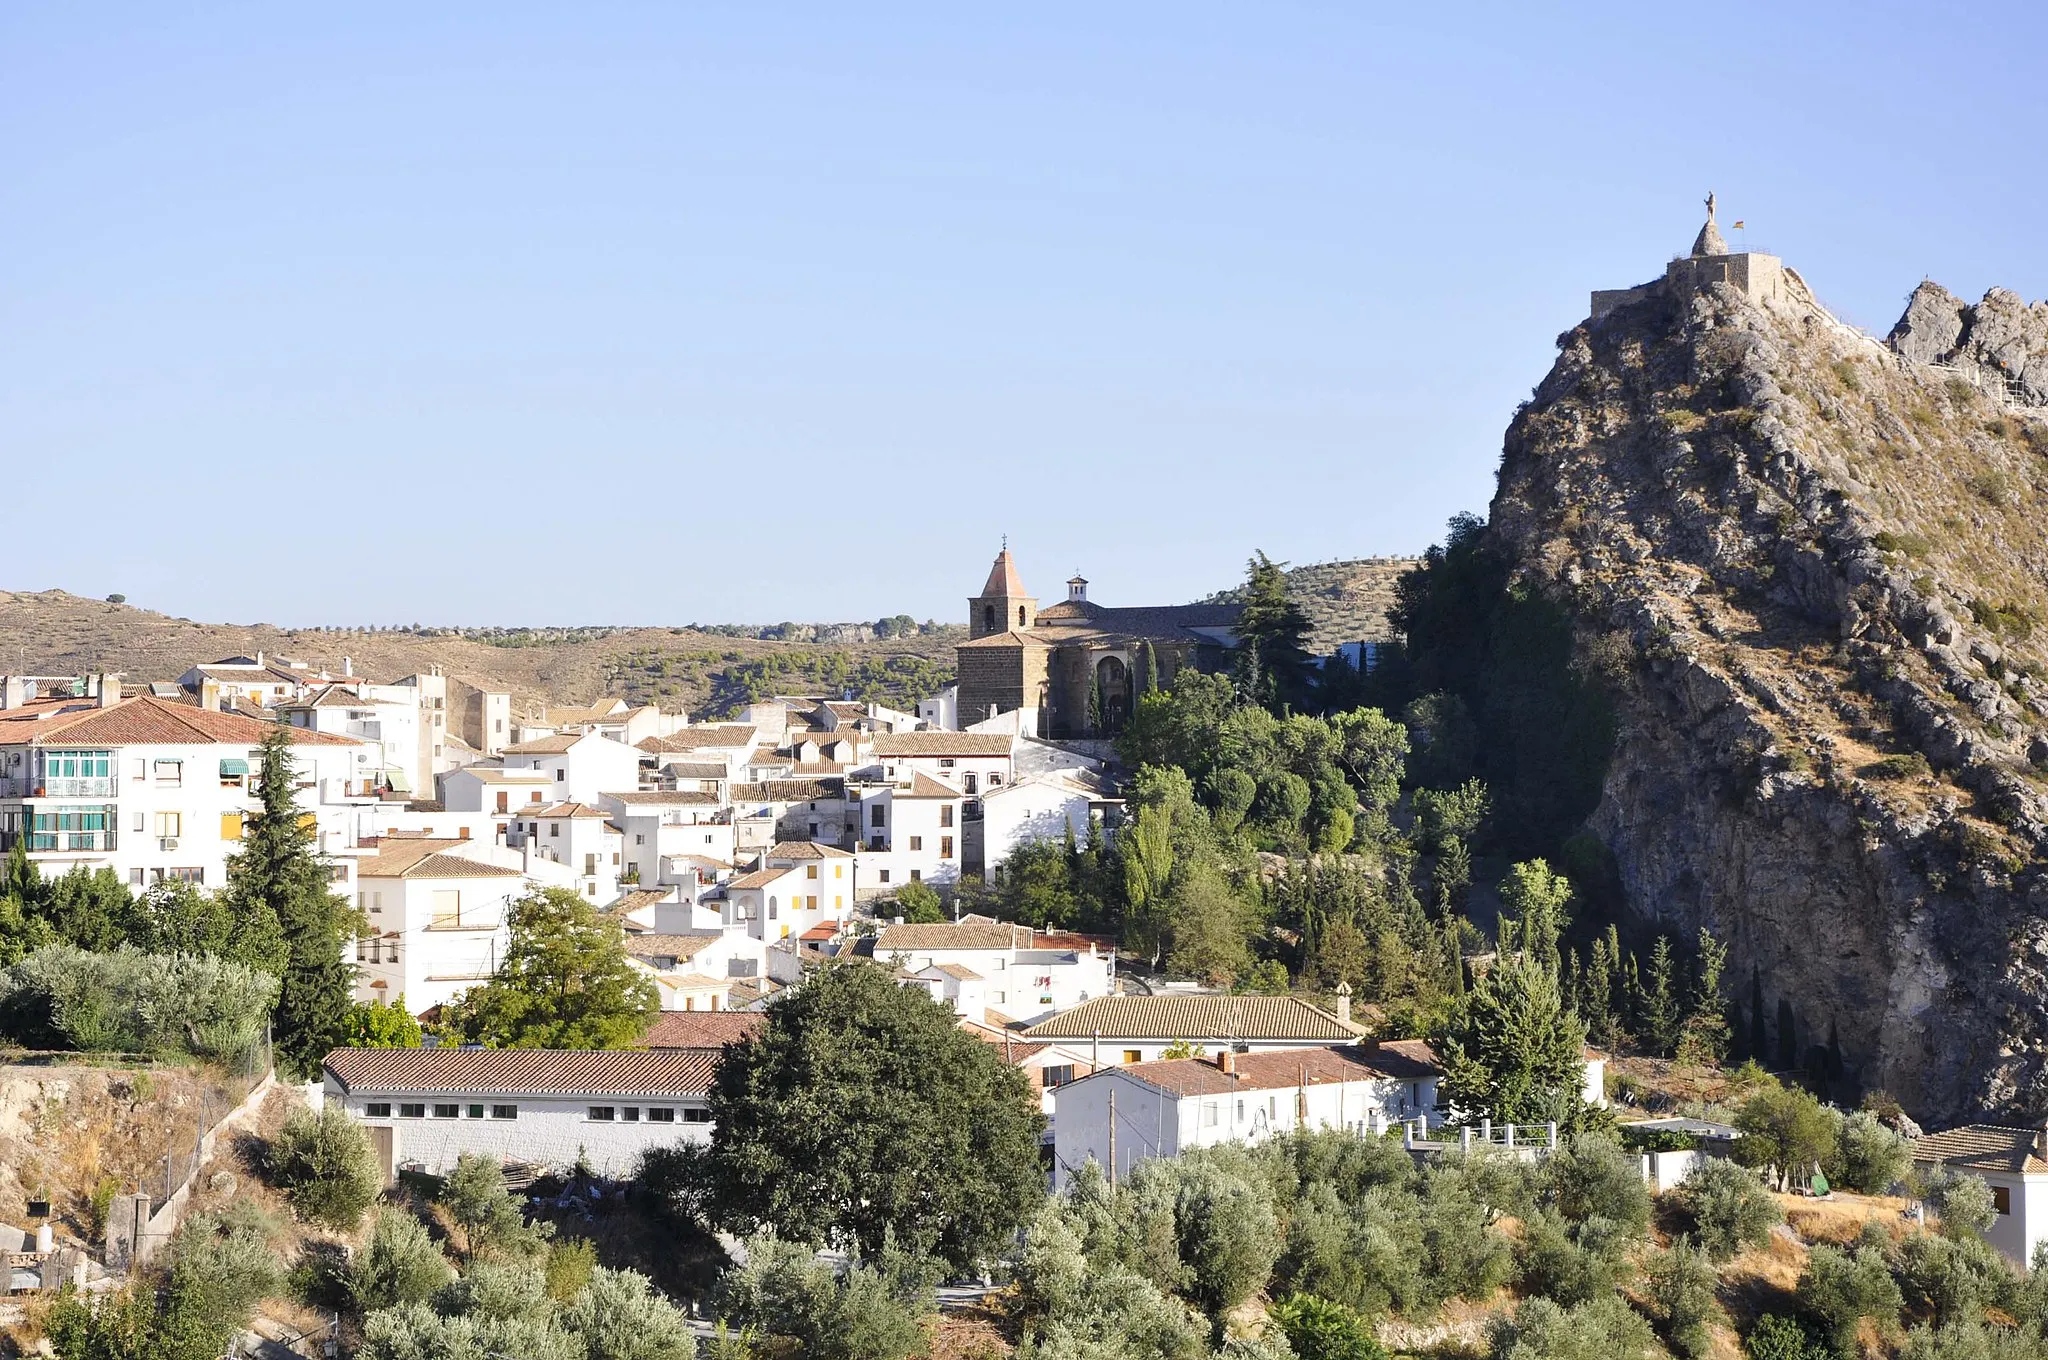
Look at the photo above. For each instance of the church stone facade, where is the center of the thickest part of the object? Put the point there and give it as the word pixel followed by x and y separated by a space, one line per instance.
pixel 1048 661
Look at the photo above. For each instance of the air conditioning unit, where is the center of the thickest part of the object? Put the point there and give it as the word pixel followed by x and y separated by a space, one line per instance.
pixel 167 843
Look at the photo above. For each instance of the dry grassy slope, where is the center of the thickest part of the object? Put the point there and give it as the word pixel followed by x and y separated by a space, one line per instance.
pixel 54 632
pixel 1804 563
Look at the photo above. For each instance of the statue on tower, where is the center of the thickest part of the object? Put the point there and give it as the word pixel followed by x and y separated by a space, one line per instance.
pixel 1709 241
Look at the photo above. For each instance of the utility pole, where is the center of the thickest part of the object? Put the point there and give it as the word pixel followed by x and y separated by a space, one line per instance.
pixel 1112 1137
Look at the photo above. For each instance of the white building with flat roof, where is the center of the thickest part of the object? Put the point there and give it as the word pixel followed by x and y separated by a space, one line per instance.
pixel 434 921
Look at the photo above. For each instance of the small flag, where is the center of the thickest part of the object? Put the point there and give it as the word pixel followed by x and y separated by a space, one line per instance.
pixel 1738 226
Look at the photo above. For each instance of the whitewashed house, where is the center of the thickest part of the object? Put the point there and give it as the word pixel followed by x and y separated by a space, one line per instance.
pixel 493 789
pixel 728 744
pixel 908 830
pixel 435 921
pixel 425 1107
pixel 665 832
pixel 769 812
pixel 156 790
pixel 1126 1029
pixel 580 766
pixel 2014 1163
pixel 1164 1108
pixel 1021 974
pixel 578 836
pixel 971 762
pixel 1040 808
pixel 799 887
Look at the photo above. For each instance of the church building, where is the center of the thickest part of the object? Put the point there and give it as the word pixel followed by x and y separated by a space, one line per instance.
pixel 1052 661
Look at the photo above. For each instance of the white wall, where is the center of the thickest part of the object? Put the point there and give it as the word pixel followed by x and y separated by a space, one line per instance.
pixel 553 1130
pixel 1030 810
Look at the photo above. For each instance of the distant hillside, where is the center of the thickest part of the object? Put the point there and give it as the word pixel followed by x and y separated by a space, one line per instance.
pixel 55 632
pixel 1344 601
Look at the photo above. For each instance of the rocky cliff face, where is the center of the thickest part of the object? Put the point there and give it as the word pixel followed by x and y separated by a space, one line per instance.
pixel 1815 571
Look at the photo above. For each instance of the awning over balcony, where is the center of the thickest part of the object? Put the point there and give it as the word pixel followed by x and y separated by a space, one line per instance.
pixel 233 767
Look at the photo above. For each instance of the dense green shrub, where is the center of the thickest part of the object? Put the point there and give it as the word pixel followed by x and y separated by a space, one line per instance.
pixel 1605 1329
pixel 861 1314
pixel 324 1165
pixel 1840 1289
pixel 488 1214
pixel 1870 1158
pixel 130 1002
pixel 1321 1329
pixel 401 1264
pixel 1729 1207
pixel 1682 1284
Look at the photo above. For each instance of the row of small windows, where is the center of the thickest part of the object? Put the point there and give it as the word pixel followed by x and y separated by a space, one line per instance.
pixel 656 1114
pixel 382 1110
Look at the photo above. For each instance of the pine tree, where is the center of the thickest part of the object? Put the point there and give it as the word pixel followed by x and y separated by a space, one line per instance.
pixel 1788 1037
pixel 277 881
pixel 1657 1003
pixel 1271 631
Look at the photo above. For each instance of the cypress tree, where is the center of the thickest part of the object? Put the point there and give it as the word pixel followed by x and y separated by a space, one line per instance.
pixel 1149 661
pixel 1759 1043
pixel 1095 707
pixel 1788 1038
pixel 277 878
pixel 1656 1003
pixel 1596 994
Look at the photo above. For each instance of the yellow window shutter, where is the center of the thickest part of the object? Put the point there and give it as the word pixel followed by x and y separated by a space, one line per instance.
pixel 231 826
pixel 308 820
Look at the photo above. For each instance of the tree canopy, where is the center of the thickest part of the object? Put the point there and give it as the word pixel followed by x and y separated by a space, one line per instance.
pixel 565 982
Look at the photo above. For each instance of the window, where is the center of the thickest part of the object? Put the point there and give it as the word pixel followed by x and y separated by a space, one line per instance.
pixel 945 814
pixel 917 875
pixel 697 1116
pixel 589 864
pixel 141 822
pixel 1020 616
pixel 554 830
pixel 169 824
pixel 839 871
pixel 1240 1112
pixel 474 1112
pixel 814 831
pixel 2001 1199
pixel 810 871
pixel 412 1112
pixel 504 1111
pixel 946 762
pixel 602 1114
pixel 967 782
pixel 660 1114
pixel 447 1111
pixel 377 1109
pixel 170 773
pixel 885 875
pixel 1133 1055
pixel 771 908
pixel 231 826
pixel 561 774
pixel 875 815
pixel 998 998
pixel 945 847
pixel 135 875
pixel 988 617
pixel 917 842
pixel 1211 1116
pixel 631 1114
pixel 1059 1075
pixel 639 839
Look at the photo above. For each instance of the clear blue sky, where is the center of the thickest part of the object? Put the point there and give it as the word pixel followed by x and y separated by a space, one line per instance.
pixel 650 313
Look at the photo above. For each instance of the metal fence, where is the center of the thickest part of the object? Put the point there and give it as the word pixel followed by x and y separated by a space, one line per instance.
pixel 217 1100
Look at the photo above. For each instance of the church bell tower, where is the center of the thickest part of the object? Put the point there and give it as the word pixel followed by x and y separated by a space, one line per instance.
pixel 1002 605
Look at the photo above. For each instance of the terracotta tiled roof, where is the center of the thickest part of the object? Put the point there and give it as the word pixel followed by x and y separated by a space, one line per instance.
pixel 951 935
pixel 1002 577
pixel 398 852
pixel 801 850
pixel 665 798
pixel 704 1029
pixel 760 878
pixel 1195 1018
pixel 1983 1147
pixel 523 1071
pixel 710 736
pixel 941 744
pixel 678 947
pixel 545 746
pixel 788 790
pixel 697 769
pixel 396 863
pixel 959 972
pixel 923 786
pixel 149 722
pixel 556 811
pixel 1266 1071
pixel 1076 620
pixel 995 641
pixel 639 898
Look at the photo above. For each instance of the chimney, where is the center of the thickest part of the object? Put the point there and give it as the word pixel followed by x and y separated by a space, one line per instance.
pixel 1344 1002
pixel 15 692
pixel 110 688
pixel 259 658
pixel 1226 1061
pixel 209 693
pixel 348 667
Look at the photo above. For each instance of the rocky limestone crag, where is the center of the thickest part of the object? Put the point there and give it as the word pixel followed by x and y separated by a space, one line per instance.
pixel 2002 337
pixel 1814 572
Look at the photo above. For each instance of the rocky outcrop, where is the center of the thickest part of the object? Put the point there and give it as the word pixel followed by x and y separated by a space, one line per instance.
pixel 2002 336
pixel 1827 568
